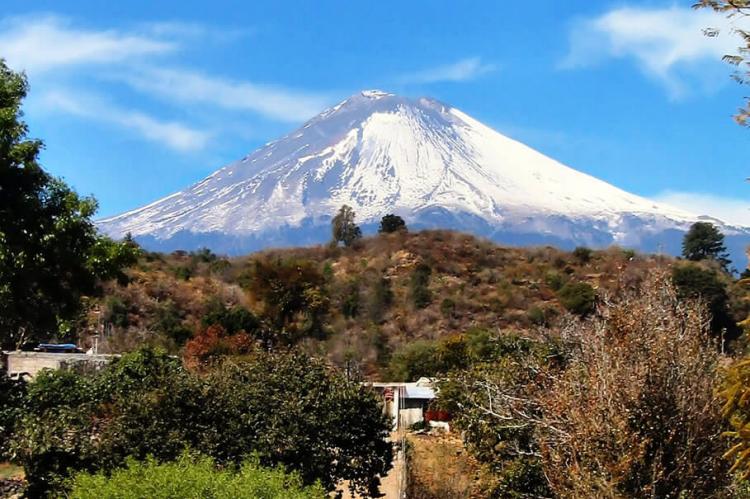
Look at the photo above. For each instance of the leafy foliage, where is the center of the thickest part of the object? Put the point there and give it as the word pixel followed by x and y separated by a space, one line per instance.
pixel 293 296
pixel 509 364
pixel 343 227
pixel 286 408
pixel 12 397
pixel 622 406
pixel 733 8
pixel 50 252
pixel 583 254
pixel 577 297
pixel 735 392
pixel 704 241
pixel 420 282
pixel 192 477
pixel 391 223
pixel 698 283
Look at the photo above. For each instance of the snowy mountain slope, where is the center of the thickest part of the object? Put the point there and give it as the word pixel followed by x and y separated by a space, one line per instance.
pixel 428 162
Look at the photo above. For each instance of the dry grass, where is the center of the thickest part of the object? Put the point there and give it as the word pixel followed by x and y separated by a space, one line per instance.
pixel 440 468
pixel 491 287
pixel 8 470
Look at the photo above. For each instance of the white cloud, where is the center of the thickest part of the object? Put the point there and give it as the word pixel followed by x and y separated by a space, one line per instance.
pixel 49 42
pixel 731 210
pixel 61 56
pixel 174 135
pixel 661 41
pixel 194 87
pixel 463 70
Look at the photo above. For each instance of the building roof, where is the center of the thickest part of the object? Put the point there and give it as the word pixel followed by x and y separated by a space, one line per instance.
pixel 412 391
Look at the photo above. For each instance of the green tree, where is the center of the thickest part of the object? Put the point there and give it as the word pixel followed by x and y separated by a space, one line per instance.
pixel 415 360
pixel 286 408
pixel 343 227
pixel 697 283
pixel 50 252
pixel 704 241
pixel 293 294
pixel 391 223
pixel 232 319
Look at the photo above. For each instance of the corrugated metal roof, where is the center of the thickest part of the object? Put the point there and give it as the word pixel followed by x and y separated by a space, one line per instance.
pixel 412 391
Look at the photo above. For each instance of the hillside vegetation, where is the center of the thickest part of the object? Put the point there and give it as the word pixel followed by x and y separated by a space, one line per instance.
pixel 360 305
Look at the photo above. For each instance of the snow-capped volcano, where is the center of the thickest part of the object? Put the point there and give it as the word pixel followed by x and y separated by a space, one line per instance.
pixel 426 161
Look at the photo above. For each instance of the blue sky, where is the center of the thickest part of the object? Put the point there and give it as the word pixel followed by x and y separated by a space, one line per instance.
pixel 138 99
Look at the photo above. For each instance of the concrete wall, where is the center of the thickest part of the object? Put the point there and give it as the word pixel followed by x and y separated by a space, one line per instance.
pixel 28 364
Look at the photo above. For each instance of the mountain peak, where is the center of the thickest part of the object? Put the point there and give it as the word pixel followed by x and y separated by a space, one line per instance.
pixel 381 153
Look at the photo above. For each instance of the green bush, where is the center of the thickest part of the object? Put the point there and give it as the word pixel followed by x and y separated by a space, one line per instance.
pixel 350 300
pixel 554 280
pixel 192 478
pixel 380 298
pixel 577 298
pixel 447 307
pixel 582 254
pixel 12 395
pixel 420 280
pixel 115 312
pixel 695 282
pixel 391 223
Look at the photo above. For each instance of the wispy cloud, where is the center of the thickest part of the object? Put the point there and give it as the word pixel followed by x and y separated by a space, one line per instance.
pixel 49 42
pixel 194 87
pixel 728 209
pixel 61 56
pixel 661 41
pixel 174 135
pixel 464 70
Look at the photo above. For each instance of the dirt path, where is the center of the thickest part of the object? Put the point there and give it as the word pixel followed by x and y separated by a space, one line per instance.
pixel 390 485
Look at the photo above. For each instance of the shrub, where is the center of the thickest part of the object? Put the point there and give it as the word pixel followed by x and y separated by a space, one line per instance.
pixel 12 397
pixel 286 408
pixel 628 411
pixel 554 280
pixel 415 360
pixel 292 293
pixel 420 280
pixel 187 477
pixel 391 223
pixel 577 297
pixel 232 319
pixel 637 405
pixel 115 312
pixel 350 300
pixel 447 307
pixel 695 282
pixel 582 254
pixel 380 299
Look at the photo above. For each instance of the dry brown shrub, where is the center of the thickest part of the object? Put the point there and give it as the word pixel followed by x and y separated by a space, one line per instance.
pixel 635 414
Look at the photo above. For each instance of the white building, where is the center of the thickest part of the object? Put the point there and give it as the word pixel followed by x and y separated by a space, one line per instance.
pixel 406 403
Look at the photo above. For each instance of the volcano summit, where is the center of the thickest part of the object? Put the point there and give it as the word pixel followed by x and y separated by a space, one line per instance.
pixel 419 158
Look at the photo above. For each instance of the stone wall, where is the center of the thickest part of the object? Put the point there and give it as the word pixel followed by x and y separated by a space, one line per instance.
pixel 28 364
